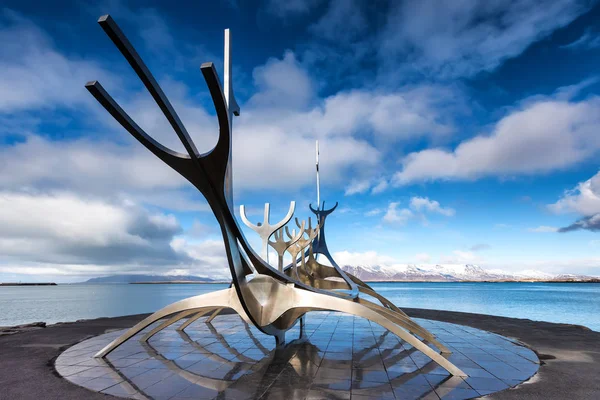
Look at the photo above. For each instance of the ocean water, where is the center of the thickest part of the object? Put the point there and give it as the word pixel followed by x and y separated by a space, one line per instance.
pixel 554 302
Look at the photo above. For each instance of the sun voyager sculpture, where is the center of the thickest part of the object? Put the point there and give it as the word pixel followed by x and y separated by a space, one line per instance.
pixel 272 299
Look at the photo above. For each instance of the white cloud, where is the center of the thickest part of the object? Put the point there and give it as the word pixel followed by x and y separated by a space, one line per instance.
pixel 357 186
pixel 266 150
pixel 380 187
pixel 282 84
pixel 366 258
pixel 209 255
pixel 82 164
pixel 584 199
pixel 61 234
pixel 395 216
pixel 543 229
pixel 63 228
pixel 100 169
pixel 406 113
pixel 462 38
pixel 373 212
pixel 543 136
pixel 418 207
pixel 433 206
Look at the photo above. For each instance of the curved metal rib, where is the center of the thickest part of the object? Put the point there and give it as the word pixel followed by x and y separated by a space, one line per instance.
pixel 175 160
pixel 120 40
pixel 221 298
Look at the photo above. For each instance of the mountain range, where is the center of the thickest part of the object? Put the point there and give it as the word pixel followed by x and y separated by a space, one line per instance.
pixel 389 273
pixel 454 273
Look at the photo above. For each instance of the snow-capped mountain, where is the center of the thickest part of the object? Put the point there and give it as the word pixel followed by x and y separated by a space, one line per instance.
pixel 450 273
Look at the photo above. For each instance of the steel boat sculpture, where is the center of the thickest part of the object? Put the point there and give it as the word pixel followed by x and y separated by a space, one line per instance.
pixel 268 298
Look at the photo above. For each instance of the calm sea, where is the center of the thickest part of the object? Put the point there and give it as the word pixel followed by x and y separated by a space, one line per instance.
pixel 553 302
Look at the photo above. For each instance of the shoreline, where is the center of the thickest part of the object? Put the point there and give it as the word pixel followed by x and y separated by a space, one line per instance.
pixel 28 284
pixel 177 283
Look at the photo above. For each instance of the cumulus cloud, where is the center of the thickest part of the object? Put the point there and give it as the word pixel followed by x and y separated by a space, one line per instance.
pixel 380 187
pixel 406 113
pixel 452 39
pixel 282 84
pixel 62 234
pixel 584 200
pixel 357 186
pixel 65 229
pixel 100 169
pixel 418 207
pixel 544 136
pixel 395 216
pixel 358 258
pixel 432 206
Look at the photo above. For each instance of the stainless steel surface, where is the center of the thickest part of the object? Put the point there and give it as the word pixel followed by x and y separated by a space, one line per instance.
pixel 265 229
pixel 280 245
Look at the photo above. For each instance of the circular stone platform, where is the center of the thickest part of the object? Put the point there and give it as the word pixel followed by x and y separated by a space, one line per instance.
pixel 341 356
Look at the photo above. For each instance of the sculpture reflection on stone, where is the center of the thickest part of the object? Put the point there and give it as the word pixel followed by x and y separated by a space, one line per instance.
pixel 271 299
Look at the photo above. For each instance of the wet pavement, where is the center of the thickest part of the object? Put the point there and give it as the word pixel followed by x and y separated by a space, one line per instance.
pixel 339 357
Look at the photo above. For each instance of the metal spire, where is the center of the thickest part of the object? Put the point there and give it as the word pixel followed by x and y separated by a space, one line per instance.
pixel 318 182
pixel 232 109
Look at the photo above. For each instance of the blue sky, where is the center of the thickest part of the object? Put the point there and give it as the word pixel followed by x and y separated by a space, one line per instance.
pixel 465 132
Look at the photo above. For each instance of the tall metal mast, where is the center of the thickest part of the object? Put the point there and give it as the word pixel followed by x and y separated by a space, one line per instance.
pixel 232 109
pixel 318 182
